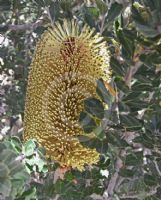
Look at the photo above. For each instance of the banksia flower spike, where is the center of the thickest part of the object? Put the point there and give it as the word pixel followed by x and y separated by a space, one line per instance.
pixel 64 70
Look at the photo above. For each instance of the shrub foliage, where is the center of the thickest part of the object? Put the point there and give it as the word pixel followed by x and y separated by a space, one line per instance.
pixel 122 122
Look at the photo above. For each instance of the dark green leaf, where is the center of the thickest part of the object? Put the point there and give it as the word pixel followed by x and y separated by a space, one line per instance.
pixel 123 107
pixel 130 121
pixel 87 122
pixel 136 104
pixel 99 131
pixel 16 143
pixel 104 162
pixel 29 194
pixel 103 93
pixel 21 175
pixel 116 67
pixel 100 145
pixel 89 18
pixel 158 194
pixel 94 107
pixel 5 5
pixel 127 172
pixel 149 180
pixel 134 159
pixel 114 139
pixel 127 44
pixel 148 31
pixel 102 6
pixel 54 10
pixel 137 15
pixel 122 86
pixel 114 12
pixel 93 11
pixel 141 87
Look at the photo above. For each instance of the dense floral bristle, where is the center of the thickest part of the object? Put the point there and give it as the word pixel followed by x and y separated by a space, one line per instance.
pixel 64 70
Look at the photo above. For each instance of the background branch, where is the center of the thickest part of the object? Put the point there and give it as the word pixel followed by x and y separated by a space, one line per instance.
pixel 21 27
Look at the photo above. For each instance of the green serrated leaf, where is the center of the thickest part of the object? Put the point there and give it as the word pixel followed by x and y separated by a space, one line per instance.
pixel 15 166
pixel 40 164
pixel 2 147
pixel 29 147
pixel 7 156
pixel 21 175
pixel 16 143
pixel 4 171
pixel 29 194
pixel 5 187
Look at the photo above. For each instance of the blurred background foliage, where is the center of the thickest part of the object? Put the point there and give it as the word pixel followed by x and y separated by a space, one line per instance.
pixel 126 124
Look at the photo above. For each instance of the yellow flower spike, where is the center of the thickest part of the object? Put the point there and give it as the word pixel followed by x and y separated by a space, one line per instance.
pixel 66 64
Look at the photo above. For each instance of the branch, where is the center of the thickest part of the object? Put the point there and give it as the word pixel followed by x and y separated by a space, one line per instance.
pixel 157 168
pixel 130 73
pixel 103 23
pixel 136 196
pixel 49 16
pixel 112 184
pixel 21 27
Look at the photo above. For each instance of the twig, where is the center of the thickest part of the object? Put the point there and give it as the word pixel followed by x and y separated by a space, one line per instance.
pixel 114 178
pixel 136 196
pixel 21 27
pixel 157 168
pixel 102 23
pixel 49 15
pixel 119 182
pixel 57 197
pixel 130 73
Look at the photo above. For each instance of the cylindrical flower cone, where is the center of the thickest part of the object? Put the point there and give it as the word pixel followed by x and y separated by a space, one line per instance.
pixel 66 64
